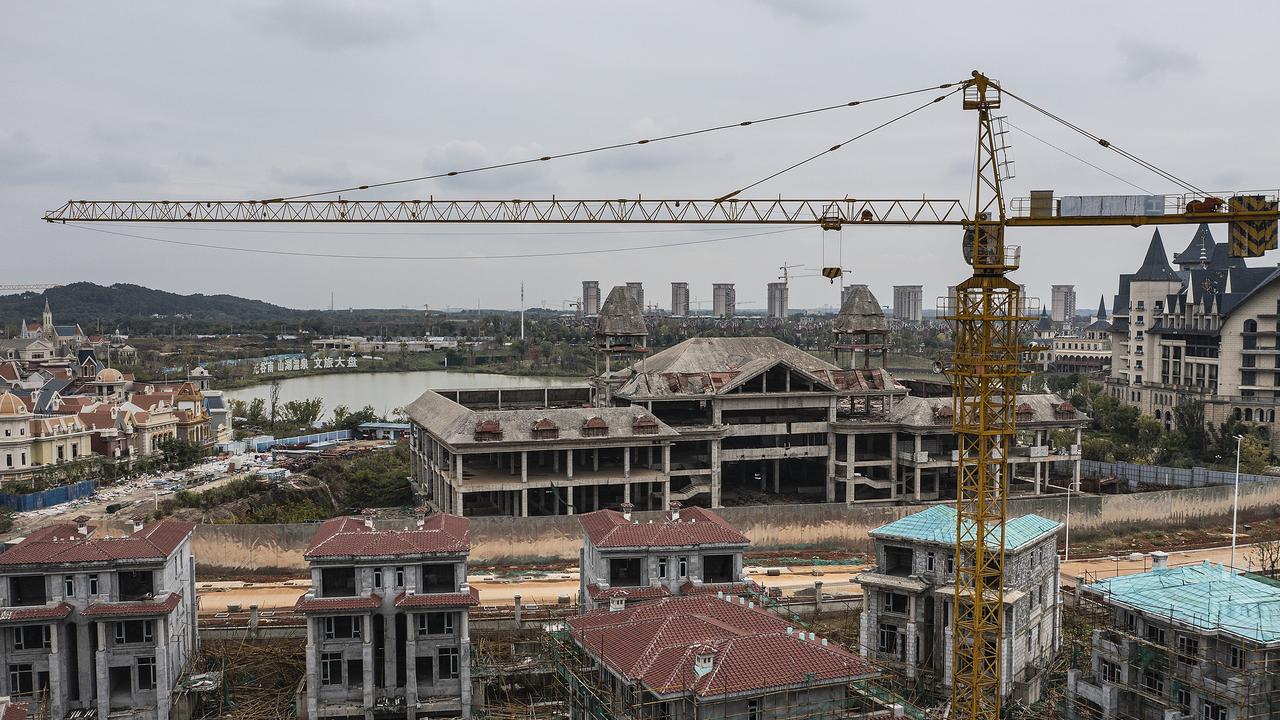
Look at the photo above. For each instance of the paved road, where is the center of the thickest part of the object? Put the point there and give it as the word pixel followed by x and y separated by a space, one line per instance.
pixel 836 580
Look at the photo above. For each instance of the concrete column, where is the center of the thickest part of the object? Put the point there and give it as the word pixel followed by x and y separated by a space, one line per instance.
pixel 1036 466
pixel 164 683
pixel 649 462
pixel 777 476
pixel 366 657
pixel 666 460
pixel 524 502
pixel 518 611
pixel 595 459
pixel 595 497
pixel 666 493
pixel 524 466
pixel 57 690
pixel 569 495
pixel 85 660
pixel 457 477
pixel 389 642
pixel 715 468
pixel 411 667
pixel 893 465
pixel 568 464
pixel 626 492
pixel 831 467
pixel 817 599
pixel 917 468
pixel 100 669
pixel 1075 466
pixel 313 670
pixel 626 462
pixel 457 502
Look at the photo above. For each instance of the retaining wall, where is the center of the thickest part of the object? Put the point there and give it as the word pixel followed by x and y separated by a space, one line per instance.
pixel 279 548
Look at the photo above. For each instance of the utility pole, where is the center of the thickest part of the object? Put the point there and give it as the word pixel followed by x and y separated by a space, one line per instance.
pixel 521 312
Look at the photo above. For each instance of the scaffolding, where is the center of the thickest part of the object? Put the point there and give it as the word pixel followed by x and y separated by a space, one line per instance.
pixel 1211 653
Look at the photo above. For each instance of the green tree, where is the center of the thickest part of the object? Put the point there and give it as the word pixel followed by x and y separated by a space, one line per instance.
pixel 304 412
pixel 1255 456
pixel 1188 418
pixel 177 454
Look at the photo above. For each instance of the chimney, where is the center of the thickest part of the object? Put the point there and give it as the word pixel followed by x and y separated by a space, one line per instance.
pixel 138 522
pixel 626 510
pixel 422 514
pixel 368 514
pixel 675 509
pixel 82 524
pixel 703 657
pixel 1159 560
pixel 617 603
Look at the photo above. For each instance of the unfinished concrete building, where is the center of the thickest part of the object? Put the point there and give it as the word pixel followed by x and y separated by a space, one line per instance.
pixel 687 551
pixel 909 608
pixel 98 624
pixel 710 656
pixel 679 299
pixel 1198 641
pixel 386 618
pixel 724 301
pixel 747 418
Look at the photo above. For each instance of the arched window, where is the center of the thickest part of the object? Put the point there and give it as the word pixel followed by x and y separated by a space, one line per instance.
pixel 1238 413
pixel 1250 341
pixel 1248 414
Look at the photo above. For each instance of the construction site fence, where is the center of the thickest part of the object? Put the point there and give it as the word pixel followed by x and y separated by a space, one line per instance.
pixel 1159 476
pixel 264 444
pixel 47 498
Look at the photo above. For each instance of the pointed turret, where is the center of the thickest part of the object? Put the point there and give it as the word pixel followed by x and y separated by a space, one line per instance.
pixel 1155 266
pixel 860 325
pixel 1102 308
pixel 620 332
pixel 1199 252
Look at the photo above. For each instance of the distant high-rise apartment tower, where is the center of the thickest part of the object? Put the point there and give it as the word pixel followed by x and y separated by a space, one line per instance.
pixel 637 291
pixel 906 302
pixel 778 300
pixel 591 297
pixel 679 299
pixel 1064 304
pixel 724 300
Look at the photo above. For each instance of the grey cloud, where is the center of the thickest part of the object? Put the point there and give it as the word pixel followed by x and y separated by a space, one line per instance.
pixel 810 11
pixel 23 162
pixel 328 25
pixel 1142 61
pixel 456 155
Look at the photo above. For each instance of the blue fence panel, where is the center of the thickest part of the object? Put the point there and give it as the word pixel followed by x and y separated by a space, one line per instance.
pixel 1160 476
pixel 47 498
pixel 331 436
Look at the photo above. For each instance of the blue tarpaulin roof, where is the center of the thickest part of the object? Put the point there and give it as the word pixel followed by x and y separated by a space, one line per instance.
pixel 937 525
pixel 1205 596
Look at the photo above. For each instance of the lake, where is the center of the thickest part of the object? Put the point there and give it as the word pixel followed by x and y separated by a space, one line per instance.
pixel 386 391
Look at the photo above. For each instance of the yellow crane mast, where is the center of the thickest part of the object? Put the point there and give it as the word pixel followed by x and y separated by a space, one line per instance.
pixel 989 312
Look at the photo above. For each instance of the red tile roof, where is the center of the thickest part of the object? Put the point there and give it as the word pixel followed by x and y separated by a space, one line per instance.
pixel 655 644
pixel 34 613
pixel 63 544
pixel 349 537
pixel 337 604
pixel 469 597
pixel 135 608
pixel 696 526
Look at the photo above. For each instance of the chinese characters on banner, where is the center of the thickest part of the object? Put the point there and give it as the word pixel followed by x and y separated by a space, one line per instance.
pixel 267 367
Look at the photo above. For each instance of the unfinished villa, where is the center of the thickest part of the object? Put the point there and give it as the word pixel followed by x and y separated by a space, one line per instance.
pixel 710 656
pixel 716 421
pixel 387 633
pixel 1197 641
pixel 685 551
pixel 97 625
pixel 910 599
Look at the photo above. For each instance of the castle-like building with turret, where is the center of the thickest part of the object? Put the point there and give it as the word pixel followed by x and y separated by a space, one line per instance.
pixel 1204 331
pixel 714 421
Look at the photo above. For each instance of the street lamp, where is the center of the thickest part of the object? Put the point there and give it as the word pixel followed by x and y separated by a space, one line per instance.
pixel 1235 503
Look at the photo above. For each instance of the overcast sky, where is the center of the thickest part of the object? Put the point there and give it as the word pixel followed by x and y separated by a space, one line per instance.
pixel 165 100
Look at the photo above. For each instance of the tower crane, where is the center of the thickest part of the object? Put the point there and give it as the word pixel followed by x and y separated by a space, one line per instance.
pixel 988 310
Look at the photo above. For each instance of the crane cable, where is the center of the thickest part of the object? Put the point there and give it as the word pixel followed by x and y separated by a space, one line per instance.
pixel 615 146
pixel 837 146
pixel 1072 155
pixel 1108 144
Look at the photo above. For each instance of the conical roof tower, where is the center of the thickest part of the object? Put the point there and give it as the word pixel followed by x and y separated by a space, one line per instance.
pixel 860 326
